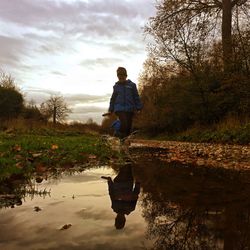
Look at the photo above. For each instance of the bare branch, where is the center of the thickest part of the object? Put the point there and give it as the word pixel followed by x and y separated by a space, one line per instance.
pixel 238 2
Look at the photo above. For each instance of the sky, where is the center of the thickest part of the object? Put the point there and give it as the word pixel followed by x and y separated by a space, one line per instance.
pixel 72 48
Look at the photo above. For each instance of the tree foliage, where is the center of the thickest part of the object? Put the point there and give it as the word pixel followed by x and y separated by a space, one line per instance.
pixel 174 100
pixel 7 81
pixel 184 29
pixel 32 112
pixel 196 72
pixel 11 99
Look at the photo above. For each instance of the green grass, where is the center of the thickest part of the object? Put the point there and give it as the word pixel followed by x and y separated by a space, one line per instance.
pixel 24 153
pixel 233 135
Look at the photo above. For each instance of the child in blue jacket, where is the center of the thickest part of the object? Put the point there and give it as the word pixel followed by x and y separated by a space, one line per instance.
pixel 124 101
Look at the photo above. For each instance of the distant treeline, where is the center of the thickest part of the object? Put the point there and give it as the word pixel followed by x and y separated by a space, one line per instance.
pixel 16 113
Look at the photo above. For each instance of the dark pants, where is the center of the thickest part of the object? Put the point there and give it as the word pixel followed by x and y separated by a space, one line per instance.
pixel 126 119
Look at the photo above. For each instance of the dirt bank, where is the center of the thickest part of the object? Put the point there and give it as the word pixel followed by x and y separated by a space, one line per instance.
pixel 201 154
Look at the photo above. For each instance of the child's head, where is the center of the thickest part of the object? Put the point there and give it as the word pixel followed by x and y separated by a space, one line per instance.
pixel 120 221
pixel 121 74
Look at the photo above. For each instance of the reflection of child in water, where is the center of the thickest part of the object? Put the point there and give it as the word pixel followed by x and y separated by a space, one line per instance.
pixel 123 194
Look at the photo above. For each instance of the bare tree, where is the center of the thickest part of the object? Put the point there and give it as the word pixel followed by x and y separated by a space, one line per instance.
pixel 55 108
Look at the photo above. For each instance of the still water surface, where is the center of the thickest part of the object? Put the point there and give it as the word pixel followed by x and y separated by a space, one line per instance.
pixel 79 199
pixel 172 207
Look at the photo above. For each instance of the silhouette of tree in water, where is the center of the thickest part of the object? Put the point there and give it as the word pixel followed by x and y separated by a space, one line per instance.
pixel 190 208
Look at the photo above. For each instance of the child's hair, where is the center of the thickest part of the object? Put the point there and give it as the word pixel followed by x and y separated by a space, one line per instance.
pixel 121 70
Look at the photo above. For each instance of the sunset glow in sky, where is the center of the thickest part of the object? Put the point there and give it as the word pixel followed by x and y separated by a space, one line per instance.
pixel 73 48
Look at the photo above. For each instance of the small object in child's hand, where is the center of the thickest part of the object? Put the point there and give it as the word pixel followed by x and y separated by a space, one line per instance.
pixel 106 114
pixel 105 177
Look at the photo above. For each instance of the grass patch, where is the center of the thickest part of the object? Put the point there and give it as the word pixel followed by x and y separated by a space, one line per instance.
pixel 216 134
pixel 28 152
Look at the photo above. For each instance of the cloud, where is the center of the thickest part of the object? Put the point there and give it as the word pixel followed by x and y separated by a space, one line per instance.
pixel 70 99
pixel 127 49
pixel 105 18
pixel 57 73
pixel 12 49
pixel 83 98
pixel 54 25
pixel 88 110
pixel 93 63
pixel 38 95
pixel 84 113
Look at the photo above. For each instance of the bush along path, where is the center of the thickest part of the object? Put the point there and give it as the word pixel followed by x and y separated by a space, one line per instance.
pixel 199 154
pixel 26 153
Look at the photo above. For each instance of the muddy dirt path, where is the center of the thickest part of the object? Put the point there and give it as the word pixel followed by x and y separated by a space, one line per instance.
pixel 201 154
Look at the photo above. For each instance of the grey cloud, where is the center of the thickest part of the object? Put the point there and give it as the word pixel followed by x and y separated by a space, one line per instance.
pixel 38 95
pixel 88 110
pixel 83 113
pixel 92 63
pixel 127 48
pixel 42 91
pixel 11 50
pixel 28 11
pixel 55 44
pixel 103 17
pixel 119 49
pixel 83 98
pixel 58 73
pixel 55 26
pixel 71 99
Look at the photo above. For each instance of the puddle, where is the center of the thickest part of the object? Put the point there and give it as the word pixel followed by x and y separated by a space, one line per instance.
pixel 79 199
pixel 176 207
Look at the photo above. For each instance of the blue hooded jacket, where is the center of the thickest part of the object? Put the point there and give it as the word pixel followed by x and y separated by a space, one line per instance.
pixel 125 97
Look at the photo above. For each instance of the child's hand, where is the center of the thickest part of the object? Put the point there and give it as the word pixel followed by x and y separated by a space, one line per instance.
pixel 107 114
pixel 106 178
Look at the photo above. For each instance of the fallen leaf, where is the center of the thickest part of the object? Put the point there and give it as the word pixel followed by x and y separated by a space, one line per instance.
pixel 30 159
pixel 66 226
pixel 18 157
pixel 19 165
pixel 36 155
pixel 17 148
pixel 40 168
pixel 37 209
pixel 92 156
pixel 54 146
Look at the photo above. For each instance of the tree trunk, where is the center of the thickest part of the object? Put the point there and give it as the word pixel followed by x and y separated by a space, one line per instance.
pixel 54 116
pixel 227 35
